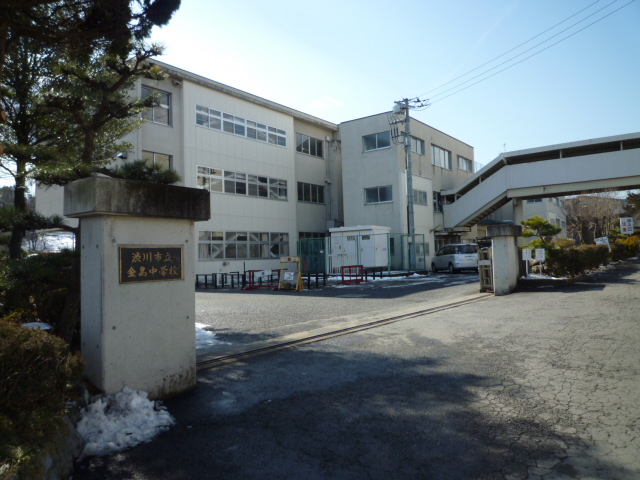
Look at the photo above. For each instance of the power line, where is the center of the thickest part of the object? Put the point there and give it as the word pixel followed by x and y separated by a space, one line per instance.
pixel 526 58
pixel 515 48
pixel 522 53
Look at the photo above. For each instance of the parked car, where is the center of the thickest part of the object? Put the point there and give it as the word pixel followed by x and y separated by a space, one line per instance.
pixel 455 257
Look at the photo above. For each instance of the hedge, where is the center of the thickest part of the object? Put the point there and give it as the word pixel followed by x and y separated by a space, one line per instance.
pixel 37 374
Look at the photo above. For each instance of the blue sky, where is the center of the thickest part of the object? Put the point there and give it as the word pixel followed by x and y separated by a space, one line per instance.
pixel 340 60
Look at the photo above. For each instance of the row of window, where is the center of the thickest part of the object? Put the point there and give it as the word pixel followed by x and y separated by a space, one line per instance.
pixel 441 157
pixel 384 194
pixel 225 122
pixel 227 181
pixel 243 245
pixel 556 201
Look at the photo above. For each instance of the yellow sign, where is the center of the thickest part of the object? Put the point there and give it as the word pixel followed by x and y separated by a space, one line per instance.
pixel 290 274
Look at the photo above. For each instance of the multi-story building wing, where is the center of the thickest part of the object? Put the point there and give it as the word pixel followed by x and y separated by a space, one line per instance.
pixel 375 178
pixel 273 172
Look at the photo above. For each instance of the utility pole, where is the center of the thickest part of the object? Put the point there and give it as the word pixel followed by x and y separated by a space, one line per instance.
pixel 411 228
pixel 402 107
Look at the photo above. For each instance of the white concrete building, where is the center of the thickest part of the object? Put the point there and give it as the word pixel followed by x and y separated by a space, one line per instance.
pixel 273 172
pixel 374 170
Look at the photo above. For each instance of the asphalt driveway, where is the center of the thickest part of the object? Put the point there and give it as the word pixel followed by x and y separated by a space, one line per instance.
pixel 541 384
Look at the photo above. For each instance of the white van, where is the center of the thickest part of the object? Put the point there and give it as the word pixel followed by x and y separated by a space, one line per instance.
pixel 456 256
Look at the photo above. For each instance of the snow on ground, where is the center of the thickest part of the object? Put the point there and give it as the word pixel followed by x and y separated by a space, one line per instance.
pixel 112 423
pixel 204 337
pixel 121 420
pixel 53 242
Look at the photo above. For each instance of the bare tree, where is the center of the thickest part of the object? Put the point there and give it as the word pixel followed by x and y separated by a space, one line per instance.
pixel 592 216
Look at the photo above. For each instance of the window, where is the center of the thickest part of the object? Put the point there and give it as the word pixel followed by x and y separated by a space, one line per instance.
pixel 242 245
pixel 534 200
pixel 277 189
pixel 308 145
pixel 308 192
pixel 437 202
pixel 227 181
pixel 378 194
pixel 307 235
pixel 161 111
pixel 441 157
pixel 376 141
pixel 161 159
pixel 420 197
pixel 417 146
pixel 465 164
pixel 225 122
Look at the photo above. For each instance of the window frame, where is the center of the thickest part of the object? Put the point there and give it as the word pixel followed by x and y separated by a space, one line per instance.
pixel 149 113
pixel 462 161
pixel 311 193
pixel 315 146
pixel 376 136
pixel 241 127
pixel 441 157
pixel 437 202
pixel 415 142
pixel 378 189
pixel 239 183
pixel 420 197
pixel 241 245
pixel 154 158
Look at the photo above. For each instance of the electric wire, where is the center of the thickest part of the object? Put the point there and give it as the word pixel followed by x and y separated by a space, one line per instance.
pixel 456 87
pixel 512 49
pixel 526 58
pixel 527 50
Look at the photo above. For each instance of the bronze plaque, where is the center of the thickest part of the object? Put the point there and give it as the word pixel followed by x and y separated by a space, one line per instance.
pixel 150 264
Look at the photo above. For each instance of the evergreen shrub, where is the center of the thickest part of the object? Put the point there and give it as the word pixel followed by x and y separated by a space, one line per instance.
pixel 572 261
pixel 37 375
pixel 622 249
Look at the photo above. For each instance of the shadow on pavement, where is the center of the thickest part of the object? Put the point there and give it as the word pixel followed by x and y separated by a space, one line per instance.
pixel 342 413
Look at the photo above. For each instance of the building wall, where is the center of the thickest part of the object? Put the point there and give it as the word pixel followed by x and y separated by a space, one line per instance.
pixel 344 171
pixel 387 167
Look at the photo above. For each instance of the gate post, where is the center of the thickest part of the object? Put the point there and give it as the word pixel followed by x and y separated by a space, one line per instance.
pixel 137 292
pixel 506 267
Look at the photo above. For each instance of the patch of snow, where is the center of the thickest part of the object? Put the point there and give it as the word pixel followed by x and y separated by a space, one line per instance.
pixel 115 422
pixel 204 337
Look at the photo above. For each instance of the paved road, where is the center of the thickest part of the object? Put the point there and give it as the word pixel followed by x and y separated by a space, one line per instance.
pixel 542 384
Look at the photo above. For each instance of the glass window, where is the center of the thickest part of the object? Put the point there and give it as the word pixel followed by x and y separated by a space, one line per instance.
pixel 228 123
pixel 376 141
pixel 465 164
pixel 420 197
pixel 308 192
pixel 437 202
pixel 308 145
pixel 417 146
pixel 153 158
pixel 160 112
pixel 227 181
pixel 378 194
pixel 441 157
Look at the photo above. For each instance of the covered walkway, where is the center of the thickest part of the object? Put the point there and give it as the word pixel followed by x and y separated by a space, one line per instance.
pixel 611 163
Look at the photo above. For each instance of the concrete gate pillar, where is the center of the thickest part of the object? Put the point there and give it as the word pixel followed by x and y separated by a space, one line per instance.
pixel 137 290
pixel 505 257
